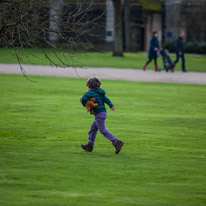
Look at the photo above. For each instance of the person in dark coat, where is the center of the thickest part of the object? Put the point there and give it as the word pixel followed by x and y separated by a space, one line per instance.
pixel 180 50
pixel 153 48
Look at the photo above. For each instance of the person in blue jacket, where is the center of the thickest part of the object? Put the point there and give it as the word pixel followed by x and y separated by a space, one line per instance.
pixel 153 48
pixel 180 50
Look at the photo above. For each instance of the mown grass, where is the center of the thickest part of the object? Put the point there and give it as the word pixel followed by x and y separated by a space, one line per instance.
pixel 42 125
pixel 99 59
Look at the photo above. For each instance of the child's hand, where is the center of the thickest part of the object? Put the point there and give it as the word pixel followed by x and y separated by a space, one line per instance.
pixel 113 108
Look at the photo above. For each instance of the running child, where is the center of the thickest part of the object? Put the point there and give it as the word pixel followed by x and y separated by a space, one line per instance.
pixel 100 113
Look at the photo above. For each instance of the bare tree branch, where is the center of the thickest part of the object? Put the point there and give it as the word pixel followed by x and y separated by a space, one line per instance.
pixel 58 25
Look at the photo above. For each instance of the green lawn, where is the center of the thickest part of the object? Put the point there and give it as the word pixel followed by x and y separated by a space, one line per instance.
pixel 101 59
pixel 42 125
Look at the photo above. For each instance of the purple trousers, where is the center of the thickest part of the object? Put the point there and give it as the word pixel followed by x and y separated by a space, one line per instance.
pixel 99 124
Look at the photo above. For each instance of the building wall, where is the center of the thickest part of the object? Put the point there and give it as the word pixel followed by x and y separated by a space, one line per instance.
pixel 173 20
pixel 153 22
pixel 110 21
pixel 142 24
pixel 137 28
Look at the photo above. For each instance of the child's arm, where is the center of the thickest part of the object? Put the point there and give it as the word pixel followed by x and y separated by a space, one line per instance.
pixel 108 102
pixel 113 108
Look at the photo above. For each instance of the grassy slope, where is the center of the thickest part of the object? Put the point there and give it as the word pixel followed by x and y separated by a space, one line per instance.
pixel 42 126
pixel 98 59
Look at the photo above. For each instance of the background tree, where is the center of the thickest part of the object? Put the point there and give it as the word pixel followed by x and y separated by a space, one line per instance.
pixel 58 25
pixel 118 39
pixel 127 22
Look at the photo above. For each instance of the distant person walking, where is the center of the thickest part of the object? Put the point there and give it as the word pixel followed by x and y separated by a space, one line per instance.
pixel 180 50
pixel 153 48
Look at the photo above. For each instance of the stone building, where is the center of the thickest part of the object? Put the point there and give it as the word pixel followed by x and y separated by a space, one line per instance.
pixel 187 15
pixel 143 21
pixel 172 19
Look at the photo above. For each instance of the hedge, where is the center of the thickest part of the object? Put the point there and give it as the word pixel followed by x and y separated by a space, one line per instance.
pixel 190 47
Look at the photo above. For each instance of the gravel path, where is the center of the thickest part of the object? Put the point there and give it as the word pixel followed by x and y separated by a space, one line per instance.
pixel 108 73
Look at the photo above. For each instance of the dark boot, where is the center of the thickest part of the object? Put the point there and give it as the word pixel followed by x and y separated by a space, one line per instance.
pixel 87 147
pixel 144 67
pixel 118 146
pixel 156 68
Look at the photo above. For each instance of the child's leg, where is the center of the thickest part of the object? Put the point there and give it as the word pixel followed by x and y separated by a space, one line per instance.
pixel 100 123
pixel 92 133
pixel 171 63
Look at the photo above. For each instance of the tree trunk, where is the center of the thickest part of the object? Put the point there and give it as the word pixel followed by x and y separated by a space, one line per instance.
pixel 55 18
pixel 118 44
pixel 127 24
